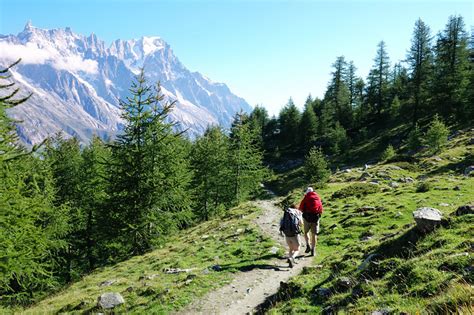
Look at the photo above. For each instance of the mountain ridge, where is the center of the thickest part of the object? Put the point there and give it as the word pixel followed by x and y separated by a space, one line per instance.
pixel 83 80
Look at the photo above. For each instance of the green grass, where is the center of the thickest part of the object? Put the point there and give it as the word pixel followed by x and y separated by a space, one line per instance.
pixel 233 242
pixel 409 272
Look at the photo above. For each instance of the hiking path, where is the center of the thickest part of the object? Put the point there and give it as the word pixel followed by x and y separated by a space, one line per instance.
pixel 250 288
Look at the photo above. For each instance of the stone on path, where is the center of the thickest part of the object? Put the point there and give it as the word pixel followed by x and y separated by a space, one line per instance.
pixel 427 219
pixel 110 300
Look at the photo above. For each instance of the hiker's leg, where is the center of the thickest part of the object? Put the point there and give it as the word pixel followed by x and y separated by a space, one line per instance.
pixel 306 229
pixel 296 247
pixel 313 235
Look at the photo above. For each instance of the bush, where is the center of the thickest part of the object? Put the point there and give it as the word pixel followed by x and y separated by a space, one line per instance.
pixel 414 139
pixel 437 135
pixel 316 168
pixel 422 187
pixel 388 153
pixel 357 189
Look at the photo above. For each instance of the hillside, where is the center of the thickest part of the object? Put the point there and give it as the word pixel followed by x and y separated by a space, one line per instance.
pixel 371 256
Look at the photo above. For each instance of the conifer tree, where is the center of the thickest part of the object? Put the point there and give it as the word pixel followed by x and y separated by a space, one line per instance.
pixel 337 99
pixel 452 70
pixel 247 170
pixel 316 167
pixel 212 171
pixel 32 228
pixel 378 80
pixel 437 135
pixel 142 191
pixel 420 59
pixel 308 130
pixel 289 121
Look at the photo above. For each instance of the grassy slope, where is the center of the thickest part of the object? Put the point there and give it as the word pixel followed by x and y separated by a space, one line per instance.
pixel 233 242
pixel 411 273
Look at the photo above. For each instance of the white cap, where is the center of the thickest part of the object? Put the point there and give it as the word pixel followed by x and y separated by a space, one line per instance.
pixel 309 189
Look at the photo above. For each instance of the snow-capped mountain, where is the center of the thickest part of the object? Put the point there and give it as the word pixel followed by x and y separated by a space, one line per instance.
pixel 77 83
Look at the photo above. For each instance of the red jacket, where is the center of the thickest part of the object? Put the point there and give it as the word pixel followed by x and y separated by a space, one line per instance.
pixel 311 203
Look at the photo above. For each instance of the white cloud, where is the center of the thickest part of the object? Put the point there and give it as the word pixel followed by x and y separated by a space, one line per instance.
pixel 32 54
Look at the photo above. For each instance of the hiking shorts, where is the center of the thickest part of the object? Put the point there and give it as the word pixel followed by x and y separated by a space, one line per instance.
pixel 313 226
pixel 293 241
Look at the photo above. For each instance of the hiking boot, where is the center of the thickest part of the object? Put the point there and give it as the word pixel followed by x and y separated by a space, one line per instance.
pixel 312 252
pixel 290 263
pixel 294 261
pixel 308 249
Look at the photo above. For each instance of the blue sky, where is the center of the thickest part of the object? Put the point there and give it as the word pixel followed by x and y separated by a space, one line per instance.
pixel 265 50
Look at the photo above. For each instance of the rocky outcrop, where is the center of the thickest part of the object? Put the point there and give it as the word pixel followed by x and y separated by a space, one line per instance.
pixel 110 300
pixel 427 219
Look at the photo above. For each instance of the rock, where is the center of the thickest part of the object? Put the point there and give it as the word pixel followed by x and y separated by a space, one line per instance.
pixel 107 283
pixel 110 300
pixel 366 167
pixel 216 268
pixel 471 141
pixel 248 290
pixel 204 237
pixel 443 204
pixel 239 231
pixel 322 293
pixel 205 271
pixel 374 182
pixel 366 238
pixel 273 250
pixel 427 219
pixel 129 289
pixel 366 262
pixel 398 214
pixel 468 171
pixel 347 170
pixel 395 167
pixel 343 283
pixel 380 312
pixel 407 180
pixel 364 176
pixel 437 158
pixel 457 188
pixel 463 210
pixel 394 184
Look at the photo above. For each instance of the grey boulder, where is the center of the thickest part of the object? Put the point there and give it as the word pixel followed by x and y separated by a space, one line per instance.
pixel 110 300
pixel 427 219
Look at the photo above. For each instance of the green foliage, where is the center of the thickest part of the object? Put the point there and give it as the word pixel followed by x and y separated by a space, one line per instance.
pixel 422 187
pixel 436 136
pixel 308 129
pixel 356 190
pixel 414 138
pixel 211 181
pixel 388 153
pixel 148 175
pixel 245 160
pixel 338 140
pixel 316 167
pixel 289 122
pixel 32 227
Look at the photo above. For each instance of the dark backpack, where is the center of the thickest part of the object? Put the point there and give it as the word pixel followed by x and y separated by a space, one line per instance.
pixel 289 224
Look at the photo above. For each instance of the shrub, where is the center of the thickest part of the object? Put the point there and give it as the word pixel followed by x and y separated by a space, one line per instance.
pixel 437 135
pixel 316 167
pixel 414 139
pixel 422 187
pixel 357 189
pixel 388 153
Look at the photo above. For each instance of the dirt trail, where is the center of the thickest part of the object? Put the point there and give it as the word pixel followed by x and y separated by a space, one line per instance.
pixel 249 289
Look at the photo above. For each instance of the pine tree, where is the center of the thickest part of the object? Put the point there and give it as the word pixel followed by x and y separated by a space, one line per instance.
pixel 289 121
pixel 452 70
pixel 246 159
pixel 143 188
pixel 308 130
pixel 378 81
pixel 32 228
pixel 437 135
pixel 420 60
pixel 414 139
pixel 212 171
pixel 316 168
pixel 338 95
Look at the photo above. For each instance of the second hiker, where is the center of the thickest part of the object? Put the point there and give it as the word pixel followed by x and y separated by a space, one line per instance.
pixel 312 209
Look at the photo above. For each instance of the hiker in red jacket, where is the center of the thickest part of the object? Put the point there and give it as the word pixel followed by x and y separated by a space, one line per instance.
pixel 312 209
